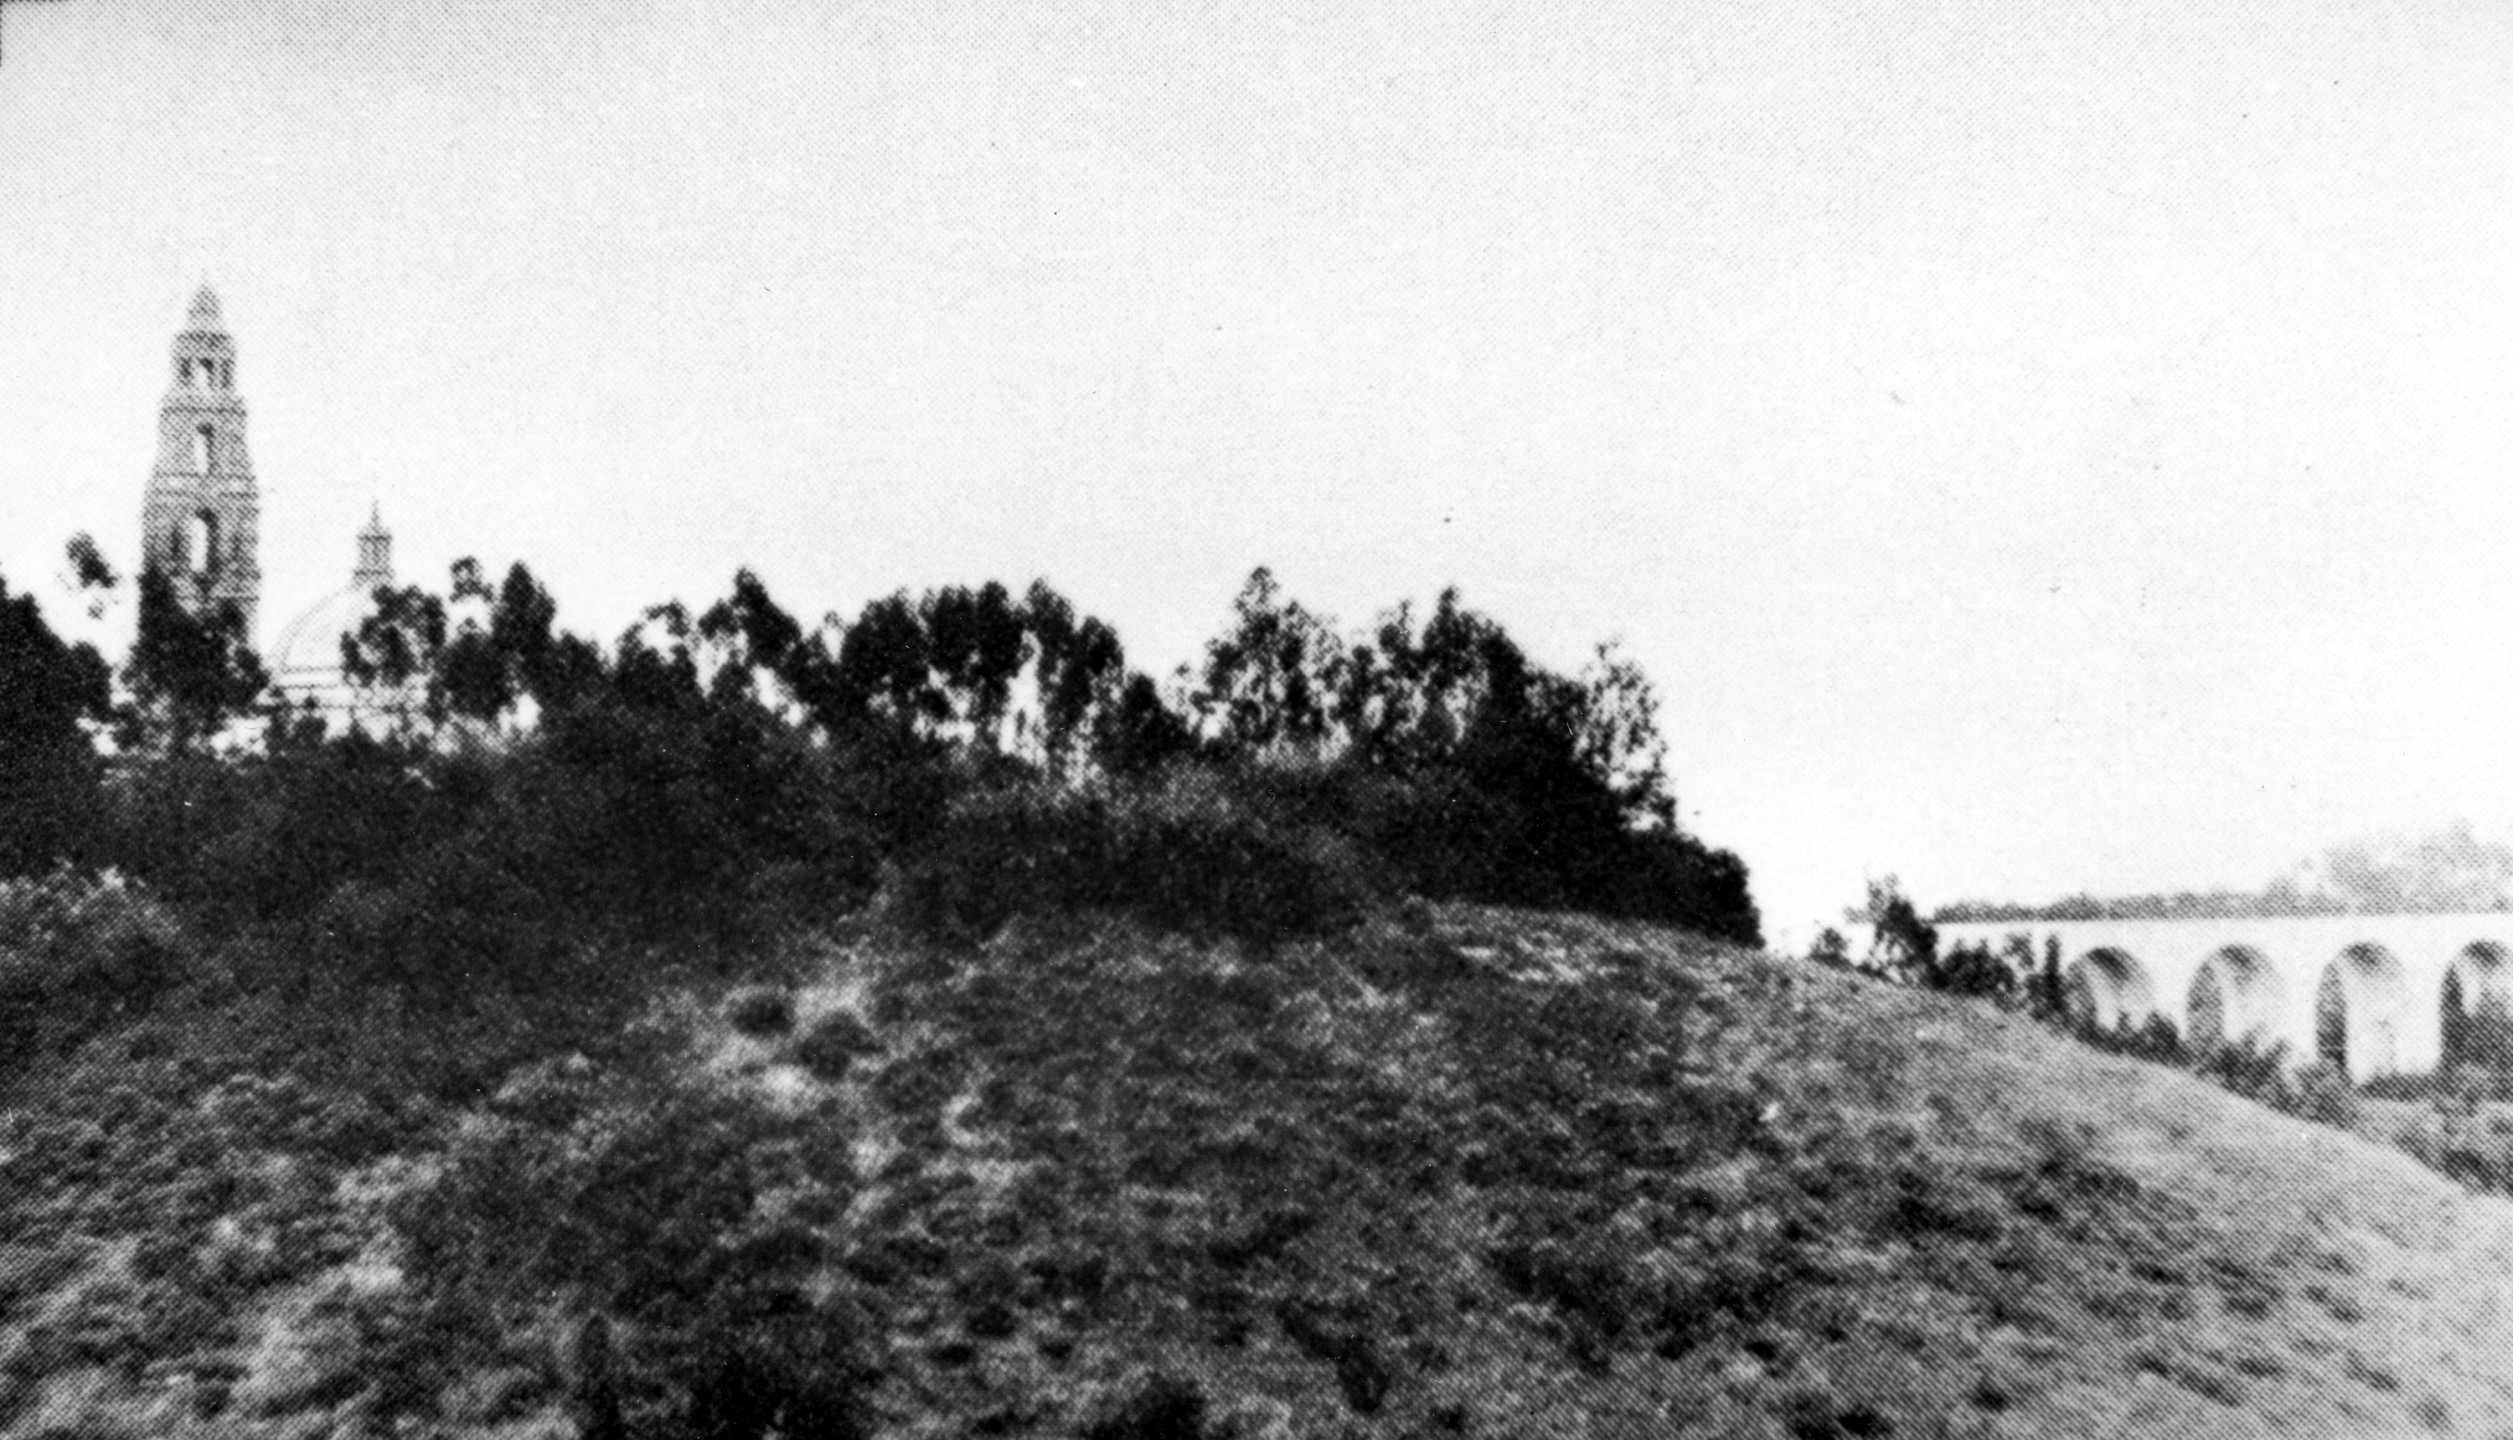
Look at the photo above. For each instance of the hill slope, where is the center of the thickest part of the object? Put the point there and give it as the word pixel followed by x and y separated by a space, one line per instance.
pixel 1466 1171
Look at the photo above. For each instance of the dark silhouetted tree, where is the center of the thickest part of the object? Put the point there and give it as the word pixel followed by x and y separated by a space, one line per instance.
pixel 885 669
pixel 753 636
pixel 49 692
pixel 977 644
pixel 1905 946
pixel 473 679
pixel 652 667
pixel 1265 681
pixel 1619 741
pixel 1139 732
pixel 553 669
pixel 89 575
pixel 392 656
pixel 1972 970
pixel 187 676
pixel 1081 673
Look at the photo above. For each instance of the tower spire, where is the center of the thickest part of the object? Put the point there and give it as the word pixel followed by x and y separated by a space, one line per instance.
pixel 204 318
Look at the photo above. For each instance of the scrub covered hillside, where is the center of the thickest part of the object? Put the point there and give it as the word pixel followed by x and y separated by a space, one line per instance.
pixel 1453 1171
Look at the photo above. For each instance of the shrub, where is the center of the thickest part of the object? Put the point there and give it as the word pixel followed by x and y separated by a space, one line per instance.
pixel 668 815
pixel 1346 1336
pixel 2323 1094
pixel 2456 1137
pixel 438 871
pixel 75 950
pixel 1196 857
pixel 2155 1039
pixel 1163 1408
pixel 272 836
pixel 461 921
pixel 1830 950
pixel 1491 832
pixel 1183 852
pixel 642 1208
pixel 1588 1284
pixel 1973 970
pixel 1815 1413
pixel 828 1051
pixel 2429 1085
pixel 761 1011
pixel 2249 1070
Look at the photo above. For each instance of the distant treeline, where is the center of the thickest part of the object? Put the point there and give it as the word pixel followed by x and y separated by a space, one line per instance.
pixel 969 753
pixel 2445 871
pixel 2182 905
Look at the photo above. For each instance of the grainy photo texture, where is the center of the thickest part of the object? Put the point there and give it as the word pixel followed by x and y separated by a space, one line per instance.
pixel 759 720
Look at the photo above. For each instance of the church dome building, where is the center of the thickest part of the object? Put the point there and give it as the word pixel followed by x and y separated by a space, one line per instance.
pixel 305 663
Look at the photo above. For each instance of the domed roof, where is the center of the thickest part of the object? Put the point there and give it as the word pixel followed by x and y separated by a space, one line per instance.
pixel 305 664
pixel 308 653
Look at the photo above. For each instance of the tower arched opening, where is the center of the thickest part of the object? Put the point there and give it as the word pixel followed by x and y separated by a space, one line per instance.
pixel 2110 988
pixel 2360 1011
pixel 204 448
pixel 2235 996
pixel 196 550
pixel 2478 1007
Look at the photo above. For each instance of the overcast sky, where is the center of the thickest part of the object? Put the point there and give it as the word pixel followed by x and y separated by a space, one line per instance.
pixel 2032 447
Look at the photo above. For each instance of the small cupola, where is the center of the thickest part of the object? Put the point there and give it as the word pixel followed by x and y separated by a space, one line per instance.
pixel 375 552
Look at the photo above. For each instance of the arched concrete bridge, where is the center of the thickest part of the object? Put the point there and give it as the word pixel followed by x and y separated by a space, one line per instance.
pixel 2269 971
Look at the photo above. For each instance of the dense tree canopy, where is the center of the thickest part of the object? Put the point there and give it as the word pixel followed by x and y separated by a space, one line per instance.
pixel 711 751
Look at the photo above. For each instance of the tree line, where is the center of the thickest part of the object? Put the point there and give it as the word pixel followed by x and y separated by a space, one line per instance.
pixel 972 750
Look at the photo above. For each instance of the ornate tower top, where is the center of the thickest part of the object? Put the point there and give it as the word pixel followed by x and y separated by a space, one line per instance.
pixel 204 316
pixel 204 353
pixel 375 553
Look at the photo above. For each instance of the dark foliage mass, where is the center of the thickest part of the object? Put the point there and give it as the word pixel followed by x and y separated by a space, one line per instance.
pixel 710 776
pixel 47 769
pixel 1187 852
pixel 187 674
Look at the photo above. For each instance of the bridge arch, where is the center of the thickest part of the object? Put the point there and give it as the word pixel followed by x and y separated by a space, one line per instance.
pixel 2115 984
pixel 2478 1006
pixel 2361 1011
pixel 2236 995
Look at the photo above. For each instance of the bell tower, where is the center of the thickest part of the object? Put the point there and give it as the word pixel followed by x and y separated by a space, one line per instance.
pixel 201 519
